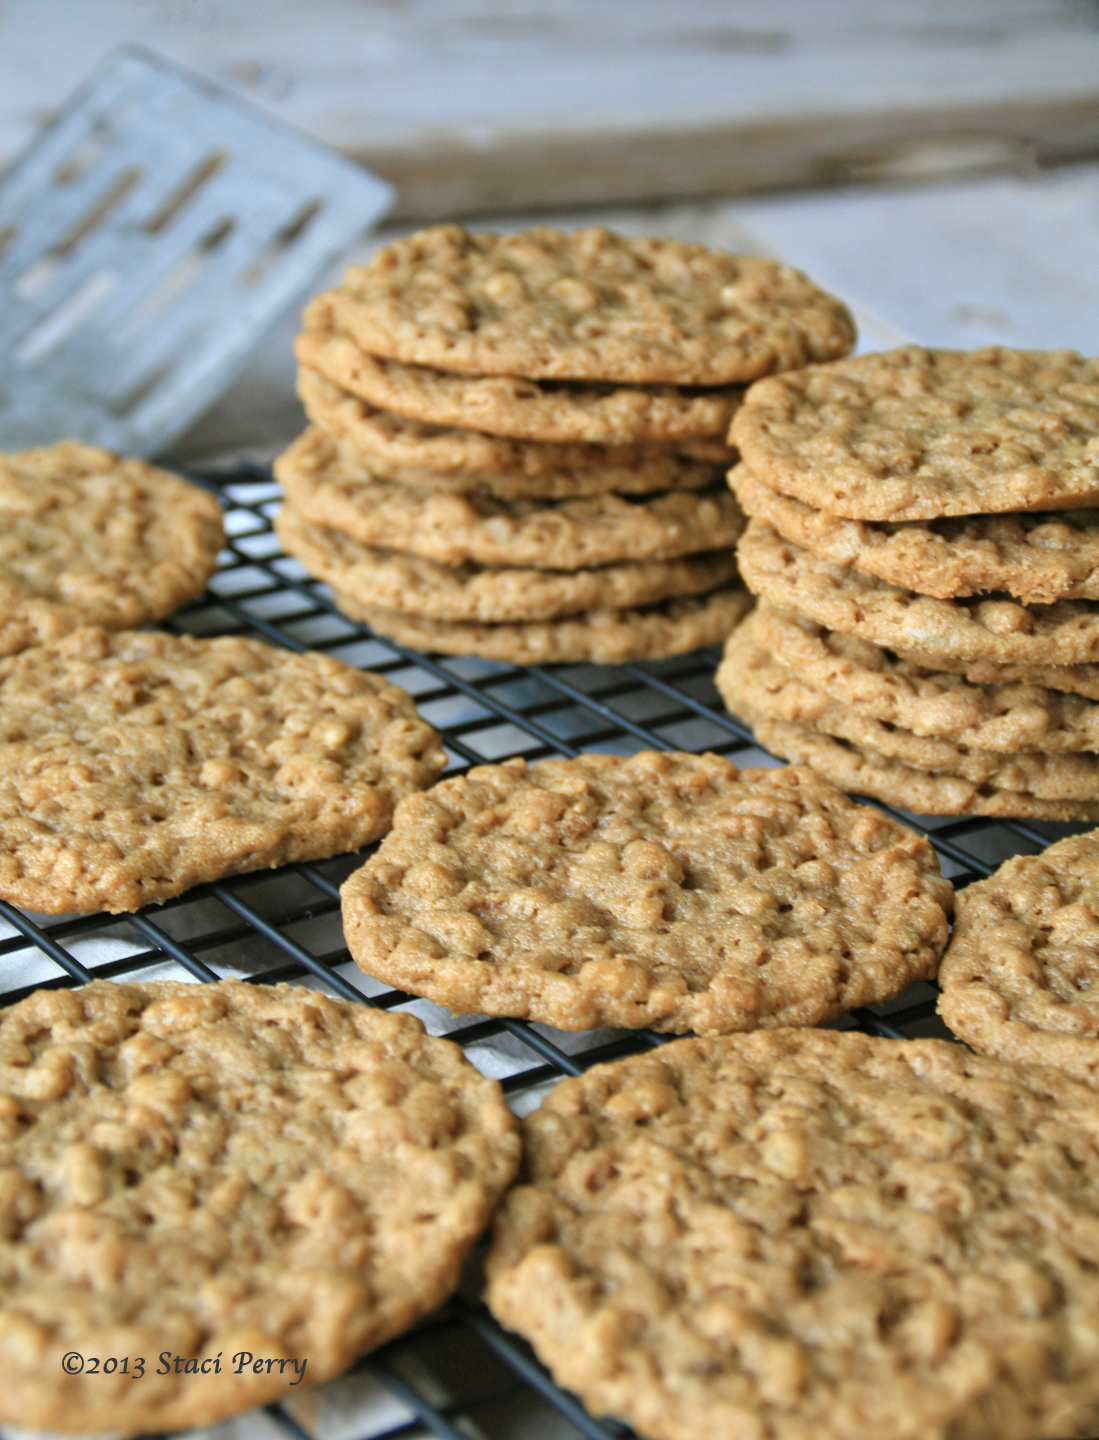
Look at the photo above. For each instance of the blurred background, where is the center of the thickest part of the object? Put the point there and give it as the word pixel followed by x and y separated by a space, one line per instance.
pixel 934 162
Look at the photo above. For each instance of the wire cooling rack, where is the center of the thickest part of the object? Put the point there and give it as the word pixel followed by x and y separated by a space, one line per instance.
pixel 457 1376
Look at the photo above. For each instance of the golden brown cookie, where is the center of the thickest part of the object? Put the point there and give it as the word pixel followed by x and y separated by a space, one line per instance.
pixel 89 539
pixel 436 457
pixel 508 406
pixel 260 1181
pixel 604 637
pixel 1038 557
pixel 989 628
pixel 410 585
pixel 545 534
pixel 1072 679
pixel 587 305
pixel 814 1236
pixel 665 889
pixel 861 770
pixel 135 765
pixel 916 434
pixel 754 687
pixel 1021 977
pixel 816 671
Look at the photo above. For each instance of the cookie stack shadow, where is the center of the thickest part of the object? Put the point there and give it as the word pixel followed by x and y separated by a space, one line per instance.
pixel 476 480
pixel 923 541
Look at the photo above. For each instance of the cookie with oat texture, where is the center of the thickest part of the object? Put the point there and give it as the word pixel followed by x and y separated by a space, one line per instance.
pixel 805 1233
pixel 587 304
pixel 915 434
pixel 137 764
pixel 225 1170
pixel 87 538
pixel 1020 978
pixel 665 890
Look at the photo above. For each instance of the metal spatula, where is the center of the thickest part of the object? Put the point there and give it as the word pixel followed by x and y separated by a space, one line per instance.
pixel 147 238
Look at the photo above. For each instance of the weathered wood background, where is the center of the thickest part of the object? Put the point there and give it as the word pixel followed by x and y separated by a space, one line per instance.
pixel 480 105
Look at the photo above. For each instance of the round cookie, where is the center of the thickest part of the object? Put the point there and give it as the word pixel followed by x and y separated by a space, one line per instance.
pixel 863 771
pixel 1072 679
pixel 587 305
pixel 664 890
pixel 544 534
pixel 752 684
pixel 840 598
pixel 508 406
pixel 822 670
pixel 225 1172
pixel 1038 557
pixel 1021 976
pixel 916 434
pixel 433 457
pixel 811 1234
pixel 89 539
pixel 410 585
pixel 602 637
pixel 135 765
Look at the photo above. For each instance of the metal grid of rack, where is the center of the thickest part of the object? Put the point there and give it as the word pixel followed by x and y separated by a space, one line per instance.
pixel 458 1375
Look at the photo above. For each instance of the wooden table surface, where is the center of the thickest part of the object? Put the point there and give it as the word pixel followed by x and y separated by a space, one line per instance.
pixel 479 105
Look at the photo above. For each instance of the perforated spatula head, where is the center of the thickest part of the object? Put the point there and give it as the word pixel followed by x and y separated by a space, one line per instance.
pixel 147 238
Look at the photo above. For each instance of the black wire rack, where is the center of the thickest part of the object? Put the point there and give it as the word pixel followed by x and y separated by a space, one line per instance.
pixel 458 1375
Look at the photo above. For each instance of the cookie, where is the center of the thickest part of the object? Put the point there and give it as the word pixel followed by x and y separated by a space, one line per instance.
pixel 916 434
pixel 433 457
pixel 226 1173
pixel 89 539
pixel 796 671
pixel 1021 977
pixel 544 534
pixel 505 405
pixel 981 628
pixel 805 1233
pixel 754 686
pixel 587 305
pixel 666 890
pixel 819 670
pixel 604 637
pixel 410 585
pixel 1072 679
pixel 135 765
pixel 1038 557
pixel 863 771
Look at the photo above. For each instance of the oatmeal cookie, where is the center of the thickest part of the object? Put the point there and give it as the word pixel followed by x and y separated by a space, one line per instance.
pixel 802 1233
pixel 135 765
pixel 916 434
pixel 1021 977
pixel 604 637
pixel 665 889
pixel 505 405
pixel 89 539
pixel 991 628
pixel 1072 679
pixel 225 1170
pixel 1038 557
pixel 587 305
pixel 436 457
pixel 863 771
pixel 544 534
pixel 753 685
pixel 410 585
pixel 820 670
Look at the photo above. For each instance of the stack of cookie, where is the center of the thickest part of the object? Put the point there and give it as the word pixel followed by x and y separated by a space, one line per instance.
pixel 925 541
pixel 517 442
